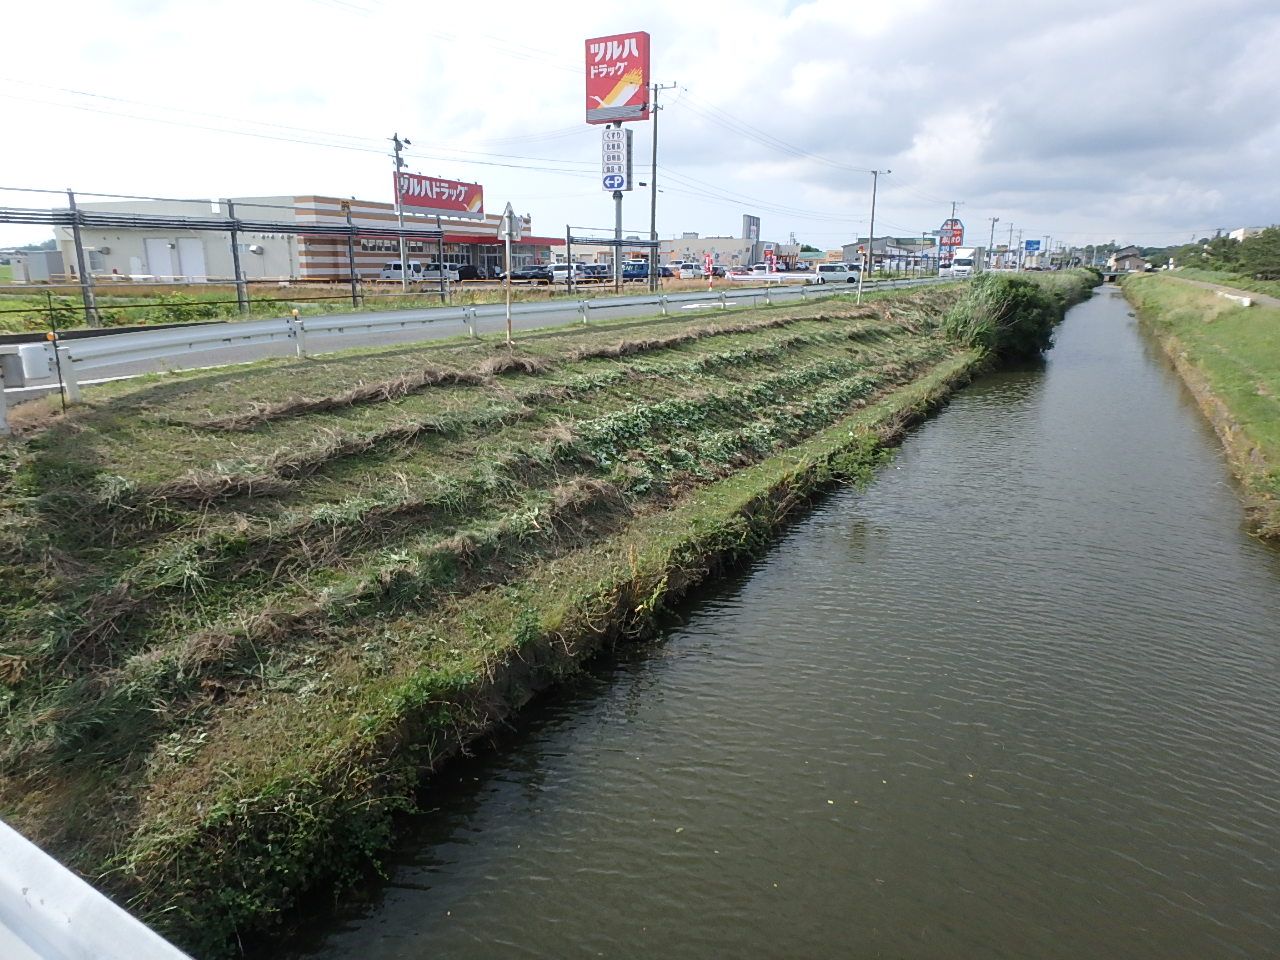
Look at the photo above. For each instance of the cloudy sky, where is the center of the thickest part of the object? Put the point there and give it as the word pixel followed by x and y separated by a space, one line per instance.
pixel 1148 121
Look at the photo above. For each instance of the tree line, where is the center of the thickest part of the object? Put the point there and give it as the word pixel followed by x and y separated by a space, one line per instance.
pixel 1257 256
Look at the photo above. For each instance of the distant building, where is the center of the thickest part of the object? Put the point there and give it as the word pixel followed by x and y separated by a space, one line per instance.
pixel 1129 254
pixel 1133 263
pixel 894 252
pixel 168 253
pixel 36 266
pixel 1244 233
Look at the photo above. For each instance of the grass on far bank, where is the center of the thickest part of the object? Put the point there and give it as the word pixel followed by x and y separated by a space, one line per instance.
pixel 1230 357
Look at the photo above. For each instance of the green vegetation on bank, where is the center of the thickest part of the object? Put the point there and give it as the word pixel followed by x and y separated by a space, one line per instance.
pixel 245 611
pixel 1230 358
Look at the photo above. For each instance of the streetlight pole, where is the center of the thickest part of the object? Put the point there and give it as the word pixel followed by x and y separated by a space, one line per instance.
pixel 871 240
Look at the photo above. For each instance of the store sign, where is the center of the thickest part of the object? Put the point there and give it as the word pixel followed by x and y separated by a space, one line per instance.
pixel 615 158
pixel 618 78
pixel 445 197
pixel 952 234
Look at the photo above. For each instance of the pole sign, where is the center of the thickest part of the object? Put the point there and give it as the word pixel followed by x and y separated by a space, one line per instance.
pixel 448 198
pixel 949 237
pixel 618 78
pixel 615 158
pixel 1032 246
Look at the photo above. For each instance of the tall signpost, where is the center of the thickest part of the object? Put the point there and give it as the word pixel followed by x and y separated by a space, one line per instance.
pixel 949 237
pixel 617 89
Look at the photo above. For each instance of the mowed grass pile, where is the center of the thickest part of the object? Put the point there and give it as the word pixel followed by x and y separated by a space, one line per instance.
pixel 1230 358
pixel 244 611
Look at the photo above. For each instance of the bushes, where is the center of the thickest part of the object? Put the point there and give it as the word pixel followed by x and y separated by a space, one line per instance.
pixel 1005 316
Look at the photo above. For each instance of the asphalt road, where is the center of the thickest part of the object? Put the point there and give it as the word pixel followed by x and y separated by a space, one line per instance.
pixel 443 322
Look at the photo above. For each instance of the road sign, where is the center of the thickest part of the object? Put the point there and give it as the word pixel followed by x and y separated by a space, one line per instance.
pixel 1032 246
pixel 615 158
pixel 509 228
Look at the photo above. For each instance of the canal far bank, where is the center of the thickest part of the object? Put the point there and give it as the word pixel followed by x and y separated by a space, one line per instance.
pixel 1229 357
pixel 246 610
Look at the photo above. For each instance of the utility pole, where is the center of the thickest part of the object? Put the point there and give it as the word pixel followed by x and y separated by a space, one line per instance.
pixel 404 263
pixel 871 240
pixel 86 280
pixel 653 189
pixel 991 241
pixel 1009 252
pixel 1048 257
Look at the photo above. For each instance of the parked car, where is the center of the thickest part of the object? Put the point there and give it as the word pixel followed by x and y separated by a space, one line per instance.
pixel 760 268
pixel 834 273
pixel 666 272
pixel 534 273
pixel 393 271
pixel 598 273
pixel 739 271
pixel 690 271
pixel 718 271
pixel 635 270
pixel 420 272
pixel 469 271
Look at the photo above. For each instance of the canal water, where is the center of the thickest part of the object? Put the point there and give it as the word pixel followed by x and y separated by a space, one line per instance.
pixel 1018 698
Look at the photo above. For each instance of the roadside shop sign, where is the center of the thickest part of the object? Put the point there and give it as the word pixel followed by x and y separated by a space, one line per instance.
pixel 618 78
pixel 448 198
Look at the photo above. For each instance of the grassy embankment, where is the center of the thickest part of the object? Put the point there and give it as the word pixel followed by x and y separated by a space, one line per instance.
pixel 244 611
pixel 1229 356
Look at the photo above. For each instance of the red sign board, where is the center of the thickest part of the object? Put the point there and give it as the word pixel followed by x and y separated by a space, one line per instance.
pixel 618 78
pixel 952 234
pixel 445 197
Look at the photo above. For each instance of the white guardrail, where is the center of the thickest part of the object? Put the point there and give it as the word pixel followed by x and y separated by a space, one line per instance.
pixel 22 364
pixel 48 913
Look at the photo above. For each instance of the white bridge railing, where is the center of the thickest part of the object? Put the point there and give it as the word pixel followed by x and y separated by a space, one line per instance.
pixel 48 913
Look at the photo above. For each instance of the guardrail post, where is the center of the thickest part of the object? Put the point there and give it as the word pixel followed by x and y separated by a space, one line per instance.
pixel 723 304
pixel 299 333
pixel 768 295
pixel 469 318
pixel 662 301
pixel 67 373
pixel 585 307
pixel 4 407
pixel 804 291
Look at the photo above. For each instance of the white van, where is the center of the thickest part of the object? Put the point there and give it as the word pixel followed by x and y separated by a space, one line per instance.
pixel 560 272
pixel 420 272
pixel 835 273
pixel 690 271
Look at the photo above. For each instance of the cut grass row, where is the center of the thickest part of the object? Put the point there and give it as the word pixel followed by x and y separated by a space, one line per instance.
pixel 1229 357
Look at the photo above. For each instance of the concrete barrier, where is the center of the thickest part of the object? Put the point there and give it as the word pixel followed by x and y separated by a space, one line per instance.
pixel 1243 301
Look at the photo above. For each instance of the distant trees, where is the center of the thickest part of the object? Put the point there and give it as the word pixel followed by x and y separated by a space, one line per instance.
pixel 1260 255
pixel 1257 256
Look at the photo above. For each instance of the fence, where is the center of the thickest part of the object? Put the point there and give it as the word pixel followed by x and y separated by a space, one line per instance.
pixel 21 364
pixel 77 219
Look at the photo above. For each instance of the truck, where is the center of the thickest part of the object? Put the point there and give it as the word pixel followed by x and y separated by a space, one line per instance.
pixel 968 261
